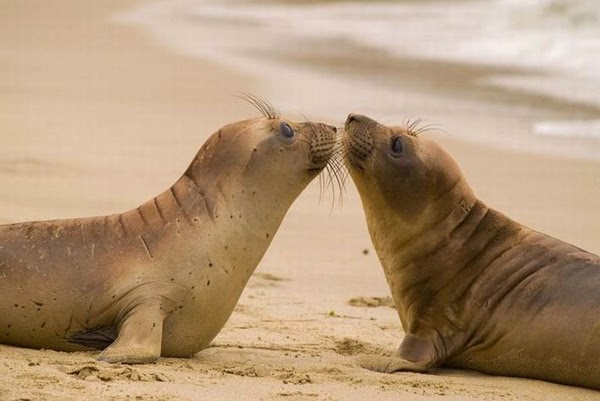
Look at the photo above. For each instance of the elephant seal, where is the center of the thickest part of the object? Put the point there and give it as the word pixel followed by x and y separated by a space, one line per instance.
pixel 161 279
pixel 473 288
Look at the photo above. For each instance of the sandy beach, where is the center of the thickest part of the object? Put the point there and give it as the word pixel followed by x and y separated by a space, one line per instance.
pixel 97 117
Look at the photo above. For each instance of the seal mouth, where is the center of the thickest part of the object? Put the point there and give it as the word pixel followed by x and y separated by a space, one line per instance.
pixel 325 160
pixel 357 141
pixel 322 144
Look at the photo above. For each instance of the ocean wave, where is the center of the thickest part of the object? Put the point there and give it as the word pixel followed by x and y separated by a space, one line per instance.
pixel 544 47
pixel 568 128
pixel 557 35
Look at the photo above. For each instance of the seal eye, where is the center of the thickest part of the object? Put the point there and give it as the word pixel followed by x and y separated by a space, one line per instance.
pixel 396 145
pixel 287 131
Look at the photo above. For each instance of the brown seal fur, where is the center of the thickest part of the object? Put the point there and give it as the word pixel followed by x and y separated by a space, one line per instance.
pixel 161 279
pixel 473 288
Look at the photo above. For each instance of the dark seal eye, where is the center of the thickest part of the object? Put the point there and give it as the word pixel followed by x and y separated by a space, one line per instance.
pixel 396 145
pixel 287 131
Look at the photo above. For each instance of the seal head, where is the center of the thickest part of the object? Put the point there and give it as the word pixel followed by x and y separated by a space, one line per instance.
pixel 404 180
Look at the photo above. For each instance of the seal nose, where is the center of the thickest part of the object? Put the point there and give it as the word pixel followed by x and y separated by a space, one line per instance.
pixel 352 117
pixel 358 118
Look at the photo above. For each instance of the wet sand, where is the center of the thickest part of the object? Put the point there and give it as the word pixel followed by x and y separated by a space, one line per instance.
pixel 97 118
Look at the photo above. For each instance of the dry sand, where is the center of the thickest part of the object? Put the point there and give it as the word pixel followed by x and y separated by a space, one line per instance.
pixel 96 118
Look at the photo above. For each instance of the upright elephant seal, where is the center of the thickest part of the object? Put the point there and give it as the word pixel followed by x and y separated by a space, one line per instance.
pixel 473 288
pixel 161 279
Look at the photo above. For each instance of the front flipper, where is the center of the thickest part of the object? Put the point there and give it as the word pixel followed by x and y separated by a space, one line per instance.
pixel 140 336
pixel 416 354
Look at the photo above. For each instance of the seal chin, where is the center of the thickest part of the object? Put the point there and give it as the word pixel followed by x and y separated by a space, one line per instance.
pixel 357 141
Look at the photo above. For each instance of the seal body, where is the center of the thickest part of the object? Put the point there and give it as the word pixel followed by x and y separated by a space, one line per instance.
pixel 161 279
pixel 473 288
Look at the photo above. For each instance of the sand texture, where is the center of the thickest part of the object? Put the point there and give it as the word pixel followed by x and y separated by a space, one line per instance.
pixel 96 118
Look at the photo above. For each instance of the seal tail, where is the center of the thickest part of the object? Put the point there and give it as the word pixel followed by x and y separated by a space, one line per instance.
pixel 98 338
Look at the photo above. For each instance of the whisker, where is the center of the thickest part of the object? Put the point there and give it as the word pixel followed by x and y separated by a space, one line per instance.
pixel 320 187
pixel 262 105
pixel 333 172
pixel 306 119
pixel 428 128
pixel 337 174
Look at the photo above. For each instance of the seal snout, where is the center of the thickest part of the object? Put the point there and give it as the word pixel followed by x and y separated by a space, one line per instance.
pixel 352 117
pixel 322 145
pixel 358 119
pixel 358 140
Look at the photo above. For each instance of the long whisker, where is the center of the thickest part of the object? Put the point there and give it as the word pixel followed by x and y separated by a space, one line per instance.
pixel 336 179
pixel 264 106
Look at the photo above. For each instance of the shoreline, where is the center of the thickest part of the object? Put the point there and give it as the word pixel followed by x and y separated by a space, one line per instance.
pixel 419 74
pixel 425 88
pixel 379 81
pixel 101 118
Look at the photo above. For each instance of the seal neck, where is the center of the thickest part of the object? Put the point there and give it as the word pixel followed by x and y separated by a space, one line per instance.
pixel 444 263
pixel 194 214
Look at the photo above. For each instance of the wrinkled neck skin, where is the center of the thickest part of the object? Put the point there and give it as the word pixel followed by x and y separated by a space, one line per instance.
pixel 228 205
pixel 240 211
pixel 414 247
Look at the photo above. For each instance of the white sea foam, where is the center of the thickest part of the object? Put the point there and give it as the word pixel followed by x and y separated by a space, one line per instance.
pixel 555 35
pixel 568 128
pixel 555 42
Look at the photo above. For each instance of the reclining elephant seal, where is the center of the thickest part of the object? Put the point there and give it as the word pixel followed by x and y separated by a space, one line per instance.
pixel 473 288
pixel 161 279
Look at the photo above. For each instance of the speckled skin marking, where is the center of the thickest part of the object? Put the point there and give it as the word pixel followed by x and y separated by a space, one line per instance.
pixel 164 278
pixel 473 289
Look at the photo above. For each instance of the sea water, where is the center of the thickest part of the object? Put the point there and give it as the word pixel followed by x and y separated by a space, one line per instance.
pixel 551 48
